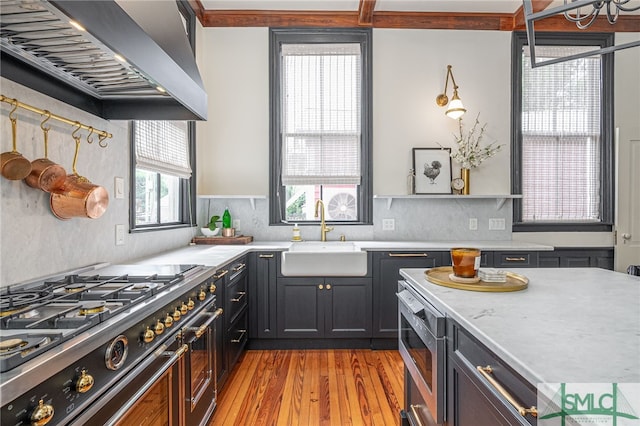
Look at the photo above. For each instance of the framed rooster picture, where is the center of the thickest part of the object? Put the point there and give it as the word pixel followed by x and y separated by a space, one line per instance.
pixel 432 167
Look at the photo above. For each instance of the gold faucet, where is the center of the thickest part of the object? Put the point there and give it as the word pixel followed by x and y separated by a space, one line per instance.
pixel 323 226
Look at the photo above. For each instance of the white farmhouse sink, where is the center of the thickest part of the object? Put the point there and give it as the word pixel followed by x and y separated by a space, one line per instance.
pixel 324 259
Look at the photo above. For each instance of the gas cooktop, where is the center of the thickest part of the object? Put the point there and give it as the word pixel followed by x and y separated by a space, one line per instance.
pixel 37 316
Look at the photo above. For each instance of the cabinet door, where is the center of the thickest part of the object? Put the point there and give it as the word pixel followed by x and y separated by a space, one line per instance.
pixel 300 309
pixel 385 282
pixel 262 295
pixel 347 307
pixel 515 259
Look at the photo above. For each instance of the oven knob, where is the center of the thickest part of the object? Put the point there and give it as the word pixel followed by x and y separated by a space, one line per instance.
pixel 168 321
pixel 212 288
pixel 202 295
pixel 191 304
pixel 159 328
pixel 85 382
pixel 42 414
pixel 176 315
pixel 184 309
pixel 148 335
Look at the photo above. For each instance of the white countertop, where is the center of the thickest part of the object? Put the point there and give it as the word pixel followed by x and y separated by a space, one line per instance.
pixel 571 325
pixel 218 255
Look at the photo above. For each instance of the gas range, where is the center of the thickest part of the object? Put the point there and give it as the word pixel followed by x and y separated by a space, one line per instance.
pixel 54 328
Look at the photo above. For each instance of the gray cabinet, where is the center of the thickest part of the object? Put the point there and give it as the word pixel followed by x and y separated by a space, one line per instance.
pixel 515 259
pixel 324 307
pixel 235 316
pixel 386 275
pixel 471 398
pixel 571 257
pixel 262 294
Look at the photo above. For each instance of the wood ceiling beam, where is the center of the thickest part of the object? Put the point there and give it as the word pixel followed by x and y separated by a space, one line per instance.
pixel 365 12
pixel 368 17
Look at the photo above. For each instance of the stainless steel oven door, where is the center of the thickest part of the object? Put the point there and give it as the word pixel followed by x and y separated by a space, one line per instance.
pixel 422 347
pixel 200 365
pixel 147 395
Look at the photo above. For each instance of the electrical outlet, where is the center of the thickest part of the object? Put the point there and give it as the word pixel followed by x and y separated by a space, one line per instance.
pixel 388 224
pixel 496 224
pixel 119 235
pixel 473 224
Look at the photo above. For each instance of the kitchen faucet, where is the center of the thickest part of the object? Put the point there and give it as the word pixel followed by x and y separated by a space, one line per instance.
pixel 323 226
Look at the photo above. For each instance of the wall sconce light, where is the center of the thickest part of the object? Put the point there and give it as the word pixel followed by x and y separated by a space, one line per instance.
pixel 456 109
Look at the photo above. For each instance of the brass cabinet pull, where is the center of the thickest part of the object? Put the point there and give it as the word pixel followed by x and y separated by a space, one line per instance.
pixel 239 339
pixel 328 286
pixel 486 371
pixel 515 259
pixel 221 274
pixel 408 255
pixel 266 256
pixel 414 410
pixel 320 286
pixel 239 267
pixel 241 294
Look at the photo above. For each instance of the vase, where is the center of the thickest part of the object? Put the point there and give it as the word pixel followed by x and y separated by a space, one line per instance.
pixel 464 174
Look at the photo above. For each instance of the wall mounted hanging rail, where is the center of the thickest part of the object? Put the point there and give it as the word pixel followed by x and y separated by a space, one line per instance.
pixel 102 135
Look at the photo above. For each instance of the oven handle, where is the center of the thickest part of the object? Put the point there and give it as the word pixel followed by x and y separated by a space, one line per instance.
pixel 203 328
pixel 485 372
pixel 152 380
pixel 416 416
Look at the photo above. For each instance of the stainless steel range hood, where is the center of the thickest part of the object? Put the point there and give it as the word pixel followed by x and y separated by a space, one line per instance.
pixel 129 60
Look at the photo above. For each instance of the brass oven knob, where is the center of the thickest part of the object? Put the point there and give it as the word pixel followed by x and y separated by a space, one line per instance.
pixel 176 315
pixel 168 321
pixel 159 328
pixel 184 309
pixel 42 414
pixel 202 295
pixel 85 382
pixel 212 288
pixel 148 335
pixel 191 304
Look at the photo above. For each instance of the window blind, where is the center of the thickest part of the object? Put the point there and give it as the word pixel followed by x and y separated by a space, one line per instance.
pixel 561 137
pixel 321 91
pixel 163 147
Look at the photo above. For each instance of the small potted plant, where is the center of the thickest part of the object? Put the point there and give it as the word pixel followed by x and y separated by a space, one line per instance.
pixel 211 229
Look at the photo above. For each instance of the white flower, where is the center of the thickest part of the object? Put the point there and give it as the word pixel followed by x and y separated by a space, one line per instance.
pixel 469 154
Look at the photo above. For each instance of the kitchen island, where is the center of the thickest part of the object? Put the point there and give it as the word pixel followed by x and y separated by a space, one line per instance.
pixel 578 325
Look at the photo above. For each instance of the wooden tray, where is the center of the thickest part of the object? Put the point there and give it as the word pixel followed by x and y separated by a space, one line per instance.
pixel 440 276
pixel 238 239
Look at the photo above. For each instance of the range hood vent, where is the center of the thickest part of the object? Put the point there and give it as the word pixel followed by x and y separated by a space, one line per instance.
pixel 128 60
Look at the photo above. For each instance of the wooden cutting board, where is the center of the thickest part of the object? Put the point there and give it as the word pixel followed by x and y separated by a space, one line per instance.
pixel 238 239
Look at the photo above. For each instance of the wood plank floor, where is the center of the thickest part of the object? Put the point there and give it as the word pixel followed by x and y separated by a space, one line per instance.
pixel 313 387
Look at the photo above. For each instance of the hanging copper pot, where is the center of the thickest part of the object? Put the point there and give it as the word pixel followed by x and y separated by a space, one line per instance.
pixel 14 165
pixel 77 196
pixel 45 174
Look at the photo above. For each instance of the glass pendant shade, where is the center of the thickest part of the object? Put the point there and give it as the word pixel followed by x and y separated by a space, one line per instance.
pixel 456 109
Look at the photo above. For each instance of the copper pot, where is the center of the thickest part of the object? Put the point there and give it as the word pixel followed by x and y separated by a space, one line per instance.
pixel 14 165
pixel 78 197
pixel 45 174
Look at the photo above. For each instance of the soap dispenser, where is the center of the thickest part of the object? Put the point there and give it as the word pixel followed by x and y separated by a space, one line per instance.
pixel 296 233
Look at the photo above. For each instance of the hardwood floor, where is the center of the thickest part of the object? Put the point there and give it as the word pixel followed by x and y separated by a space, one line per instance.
pixel 313 387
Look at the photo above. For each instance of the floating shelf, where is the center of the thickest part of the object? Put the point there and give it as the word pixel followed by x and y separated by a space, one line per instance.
pixel 252 198
pixel 500 199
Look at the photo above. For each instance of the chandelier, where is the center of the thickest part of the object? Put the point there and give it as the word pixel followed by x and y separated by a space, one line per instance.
pixel 585 16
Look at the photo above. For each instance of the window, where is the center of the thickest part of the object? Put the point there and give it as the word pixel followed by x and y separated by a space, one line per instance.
pixel 161 194
pixel 320 125
pixel 562 147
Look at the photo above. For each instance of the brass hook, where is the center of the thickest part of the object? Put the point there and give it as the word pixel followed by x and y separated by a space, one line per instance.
pixel 75 156
pixel 101 141
pixel 46 129
pixel 12 117
pixel 74 134
pixel 89 137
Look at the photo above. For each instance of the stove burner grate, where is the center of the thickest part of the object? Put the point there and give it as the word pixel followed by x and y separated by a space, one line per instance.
pixel 14 350
pixel 16 301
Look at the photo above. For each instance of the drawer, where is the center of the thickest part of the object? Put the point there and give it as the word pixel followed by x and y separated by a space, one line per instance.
pixel 515 259
pixel 236 296
pixel 471 354
pixel 237 337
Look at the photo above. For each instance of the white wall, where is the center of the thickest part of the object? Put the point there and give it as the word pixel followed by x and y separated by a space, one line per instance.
pixel 409 68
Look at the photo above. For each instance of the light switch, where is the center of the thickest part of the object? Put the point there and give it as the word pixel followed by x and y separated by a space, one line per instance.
pixel 119 187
